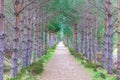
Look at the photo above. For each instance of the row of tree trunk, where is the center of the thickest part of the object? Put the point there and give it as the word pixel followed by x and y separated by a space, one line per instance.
pixel 30 34
pixel 88 37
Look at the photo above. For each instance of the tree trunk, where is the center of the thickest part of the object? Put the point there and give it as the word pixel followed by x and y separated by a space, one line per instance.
pixel 24 42
pixel 29 37
pixel 35 45
pixel 110 38
pixel 35 39
pixel 90 43
pixel 51 39
pixel 95 42
pixel 90 26
pixel 2 38
pixel 82 41
pixel 39 38
pixel 46 46
pixel 15 41
pixel 67 38
pixel 105 47
pixel 118 55
pixel 87 41
pixel 87 33
pixel 75 38
pixel 42 38
pixel 42 33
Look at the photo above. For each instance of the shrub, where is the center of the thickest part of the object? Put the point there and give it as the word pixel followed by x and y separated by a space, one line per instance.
pixel 100 75
pixel 99 57
pixel 83 61
pixel 36 68
pixel 115 71
pixel 95 69
pixel 76 54
pixel 90 65
pixel 72 51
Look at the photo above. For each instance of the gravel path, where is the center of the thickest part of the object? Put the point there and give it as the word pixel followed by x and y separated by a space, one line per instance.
pixel 63 67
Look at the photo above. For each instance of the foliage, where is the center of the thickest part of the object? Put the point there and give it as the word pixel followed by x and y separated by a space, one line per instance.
pixel 54 26
pixel 100 35
pixel 63 9
pixel 89 64
pixel 36 67
pixel 67 30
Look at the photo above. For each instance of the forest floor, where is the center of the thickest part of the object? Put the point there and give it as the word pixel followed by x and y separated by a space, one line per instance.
pixel 63 66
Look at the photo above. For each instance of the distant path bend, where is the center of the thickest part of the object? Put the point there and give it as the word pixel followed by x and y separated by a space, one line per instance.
pixel 62 66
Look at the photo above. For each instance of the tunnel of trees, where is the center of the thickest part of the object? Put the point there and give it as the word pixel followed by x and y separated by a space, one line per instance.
pixel 29 27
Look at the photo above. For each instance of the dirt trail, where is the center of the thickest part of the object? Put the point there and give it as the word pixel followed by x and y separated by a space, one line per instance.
pixel 63 67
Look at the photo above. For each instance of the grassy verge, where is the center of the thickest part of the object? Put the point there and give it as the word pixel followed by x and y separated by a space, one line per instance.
pixel 33 71
pixel 94 70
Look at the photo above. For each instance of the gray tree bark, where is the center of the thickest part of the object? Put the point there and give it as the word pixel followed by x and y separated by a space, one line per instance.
pixel 2 38
pixel 95 42
pixel 118 55
pixel 90 44
pixel 110 37
pixel 75 38
pixel 105 46
pixel 16 40
pixel 82 41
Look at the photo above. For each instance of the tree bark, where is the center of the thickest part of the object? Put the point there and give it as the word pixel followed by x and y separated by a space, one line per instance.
pixel 90 42
pixel 82 41
pixel 75 38
pixel 51 39
pixel 2 38
pixel 67 38
pixel 35 39
pixel 110 37
pixel 95 41
pixel 24 42
pixel 46 30
pixel 37 35
pixel 16 40
pixel 84 47
pixel 39 38
pixel 118 55
pixel 105 46
pixel 29 37
pixel 87 39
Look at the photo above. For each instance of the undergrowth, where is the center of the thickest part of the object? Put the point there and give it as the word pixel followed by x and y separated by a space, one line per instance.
pixel 33 71
pixel 95 70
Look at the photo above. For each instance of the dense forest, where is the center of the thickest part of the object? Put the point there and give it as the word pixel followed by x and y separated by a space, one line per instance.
pixel 28 28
